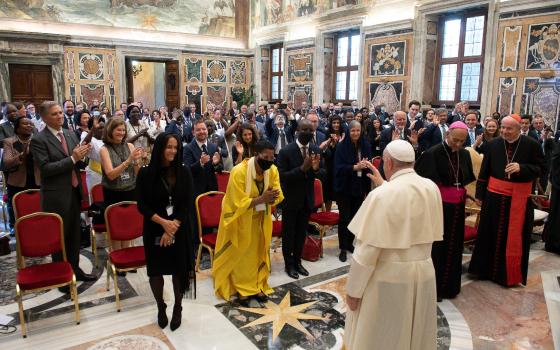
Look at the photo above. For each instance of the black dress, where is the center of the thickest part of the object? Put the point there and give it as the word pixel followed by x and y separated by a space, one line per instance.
pixel 153 198
pixel 551 232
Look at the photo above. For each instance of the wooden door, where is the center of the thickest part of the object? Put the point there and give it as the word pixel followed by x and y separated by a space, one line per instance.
pixel 172 85
pixel 31 83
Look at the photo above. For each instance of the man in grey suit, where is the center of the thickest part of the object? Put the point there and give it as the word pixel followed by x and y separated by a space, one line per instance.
pixel 55 152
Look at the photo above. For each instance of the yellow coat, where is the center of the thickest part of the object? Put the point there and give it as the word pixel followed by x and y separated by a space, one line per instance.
pixel 242 259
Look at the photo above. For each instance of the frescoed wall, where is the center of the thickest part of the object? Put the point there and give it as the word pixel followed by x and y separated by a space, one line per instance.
pixel 209 17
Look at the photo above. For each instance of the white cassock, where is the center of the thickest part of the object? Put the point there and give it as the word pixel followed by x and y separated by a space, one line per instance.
pixel 392 270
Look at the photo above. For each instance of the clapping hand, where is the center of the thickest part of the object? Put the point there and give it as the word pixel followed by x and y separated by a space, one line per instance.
pixel 315 161
pixel 413 138
pixel 216 158
pixel 270 195
pixel 375 175
pixel 81 151
pixel 204 158
pixel 239 147
pixel 396 135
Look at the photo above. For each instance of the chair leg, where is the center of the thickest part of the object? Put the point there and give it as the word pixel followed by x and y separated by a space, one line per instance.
pixel 117 292
pixel 198 257
pixel 321 235
pixel 94 246
pixel 108 274
pixel 19 298
pixel 211 252
pixel 74 290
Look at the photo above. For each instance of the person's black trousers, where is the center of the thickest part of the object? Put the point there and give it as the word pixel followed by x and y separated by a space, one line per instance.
pixel 294 231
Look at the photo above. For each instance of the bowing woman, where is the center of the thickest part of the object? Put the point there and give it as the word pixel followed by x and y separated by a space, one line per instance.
pixel 165 198
pixel 351 185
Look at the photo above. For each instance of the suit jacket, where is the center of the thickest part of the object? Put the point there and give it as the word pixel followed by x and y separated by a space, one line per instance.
pixel 532 133
pixel 55 168
pixel 477 131
pixel 66 119
pixel 17 176
pixel 430 137
pixel 297 186
pixel 418 125
pixel 186 136
pixel 6 130
pixel 261 118
pixel 387 136
pixel 272 132
pixel 204 178
pixel 320 137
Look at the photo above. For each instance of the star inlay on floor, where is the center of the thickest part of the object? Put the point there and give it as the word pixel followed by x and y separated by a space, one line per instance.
pixel 282 314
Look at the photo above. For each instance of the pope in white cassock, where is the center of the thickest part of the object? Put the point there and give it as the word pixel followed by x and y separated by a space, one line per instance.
pixel 391 289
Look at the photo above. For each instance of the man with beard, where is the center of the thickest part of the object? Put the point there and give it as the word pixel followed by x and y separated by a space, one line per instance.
pixel 449 166
pixel 510 165
pixel 68 115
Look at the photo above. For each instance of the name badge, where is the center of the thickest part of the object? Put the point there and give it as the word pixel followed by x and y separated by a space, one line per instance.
pixel 125 176
pixel 260 207
pixel 359 173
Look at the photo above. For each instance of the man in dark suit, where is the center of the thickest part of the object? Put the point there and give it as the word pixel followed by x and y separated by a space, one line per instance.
pixel 319 138
pixel 180 128
pixel 298 165
pixel 414 116
pixel 190 115
pixel 398 131
pixel 278 133
pixel 261 115
pixel 56 153
pixel 435 132
pixel 526 121
pixel 203 159
pixel 7 128
pixel 474 129
pixel 69 122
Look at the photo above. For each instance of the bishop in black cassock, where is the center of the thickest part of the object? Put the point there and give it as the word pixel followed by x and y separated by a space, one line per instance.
pixel 511 164
pixel 449 165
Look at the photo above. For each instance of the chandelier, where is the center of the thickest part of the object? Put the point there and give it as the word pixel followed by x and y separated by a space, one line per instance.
pixel 136 68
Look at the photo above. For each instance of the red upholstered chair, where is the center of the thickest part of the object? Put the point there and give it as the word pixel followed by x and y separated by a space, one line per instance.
pixel 471 228
pixel 97 229
pixel 322 219
pixel 26 202
pixel 124 223
pixel 208 211
pixel 33 242
pixel 276 228
pixel 223 179
pixel 376 162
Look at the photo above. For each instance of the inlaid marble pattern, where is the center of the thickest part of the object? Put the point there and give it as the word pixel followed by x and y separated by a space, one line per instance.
pixel 300 93
pixel 543 47
pixel 510 48
pixel 543 97
pixel 300 67
pixel 147 337
pixel 506 97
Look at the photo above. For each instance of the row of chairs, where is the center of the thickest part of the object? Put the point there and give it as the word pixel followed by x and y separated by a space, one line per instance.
pixel 123 222
pixel 209 207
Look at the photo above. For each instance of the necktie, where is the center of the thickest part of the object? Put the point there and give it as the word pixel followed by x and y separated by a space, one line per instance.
pixel 471 132
pixel 218 125
pixel 282 139
pixel 314 141
pixel 70 124
pixel 204 149
pixel 65 149
pixel 304 151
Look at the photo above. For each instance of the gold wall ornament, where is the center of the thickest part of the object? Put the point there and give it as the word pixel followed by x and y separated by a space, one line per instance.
pixel 136 68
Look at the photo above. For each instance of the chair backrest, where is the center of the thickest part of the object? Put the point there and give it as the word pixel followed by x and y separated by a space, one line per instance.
pixel 124 222
pixel 376 162
pixel 318 193
pixel 209 209
pixel 223 179
pixel 26 202
pixel 34 242
pixel 97 194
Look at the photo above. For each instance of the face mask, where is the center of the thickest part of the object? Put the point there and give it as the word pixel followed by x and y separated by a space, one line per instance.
pixel 264 164
pixel 304 137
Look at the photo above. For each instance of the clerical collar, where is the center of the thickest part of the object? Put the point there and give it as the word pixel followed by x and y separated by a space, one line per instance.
pixel 401 172
pixel 514 141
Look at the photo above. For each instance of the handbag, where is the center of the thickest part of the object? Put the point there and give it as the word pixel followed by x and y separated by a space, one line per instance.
pixel 311 249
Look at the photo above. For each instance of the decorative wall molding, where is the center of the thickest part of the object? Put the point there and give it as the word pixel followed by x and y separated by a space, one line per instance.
pixel 511 41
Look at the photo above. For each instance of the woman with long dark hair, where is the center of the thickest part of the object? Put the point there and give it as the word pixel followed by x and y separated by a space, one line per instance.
pixel 246 138
pixel 336 133
pixel 351 183
pixel 165 198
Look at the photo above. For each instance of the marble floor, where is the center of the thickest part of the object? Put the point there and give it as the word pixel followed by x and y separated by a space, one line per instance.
pixel 301 314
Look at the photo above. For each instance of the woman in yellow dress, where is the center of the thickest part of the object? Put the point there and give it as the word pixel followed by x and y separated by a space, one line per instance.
pixel 242 261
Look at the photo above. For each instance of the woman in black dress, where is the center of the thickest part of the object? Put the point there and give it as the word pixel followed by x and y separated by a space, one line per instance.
pixel 165 198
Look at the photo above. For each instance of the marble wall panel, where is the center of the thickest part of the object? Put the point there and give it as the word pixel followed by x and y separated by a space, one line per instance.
pixel 543 46
pixel 238 72
pixel 387 94
pixel 216 71
pixel 216 95
pixel 542 96
pixel 510 48
pixel 299 94
pixel 387 59
pixel 506 97
pixel 300 67
pixel 90 74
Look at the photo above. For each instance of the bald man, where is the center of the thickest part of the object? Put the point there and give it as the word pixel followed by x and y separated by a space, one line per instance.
pixel 510 165
pixel 449 165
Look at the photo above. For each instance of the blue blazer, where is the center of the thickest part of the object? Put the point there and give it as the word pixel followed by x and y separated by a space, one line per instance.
pixel 477 131
pixel 187 135
pixel 272 132
pixel 430 137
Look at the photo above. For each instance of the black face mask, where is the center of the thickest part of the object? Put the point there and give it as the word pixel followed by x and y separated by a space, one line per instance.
pixel 304 137
pixel 264 164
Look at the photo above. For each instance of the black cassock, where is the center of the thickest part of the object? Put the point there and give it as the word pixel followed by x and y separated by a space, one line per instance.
pixel 439 164
pixel 489 255
pixel 552 228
